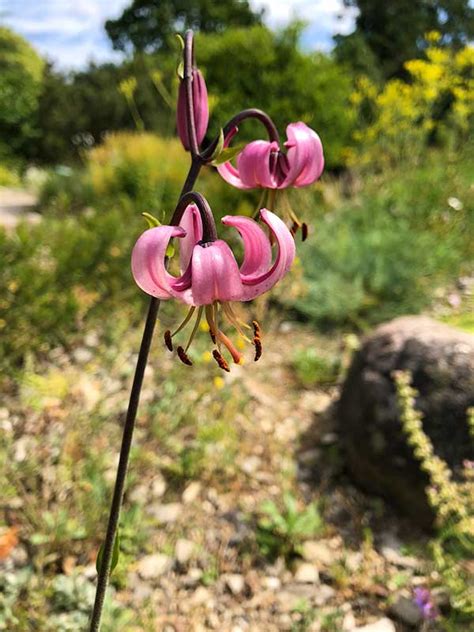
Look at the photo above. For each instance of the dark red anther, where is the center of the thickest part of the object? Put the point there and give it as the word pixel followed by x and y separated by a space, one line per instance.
pixel 168 341
pixel 304 231
pixel 219 358
pixel 182 355
pixel 257 340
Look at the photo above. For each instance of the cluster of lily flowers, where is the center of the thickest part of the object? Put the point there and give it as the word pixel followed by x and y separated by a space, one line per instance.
pixel 210 278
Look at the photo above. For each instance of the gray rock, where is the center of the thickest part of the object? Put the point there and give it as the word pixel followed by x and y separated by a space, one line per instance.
pixel 441 360
pixel 406 611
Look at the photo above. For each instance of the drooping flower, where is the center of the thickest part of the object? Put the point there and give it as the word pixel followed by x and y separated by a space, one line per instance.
pixel 263 164
pixel 200 109
pixel 211 278
pixel 424 601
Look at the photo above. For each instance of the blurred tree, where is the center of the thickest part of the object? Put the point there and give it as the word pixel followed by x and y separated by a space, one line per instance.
pixel 21 73
pixel 76 110
pixel 394 31
pixel 149 25
pixel 269 71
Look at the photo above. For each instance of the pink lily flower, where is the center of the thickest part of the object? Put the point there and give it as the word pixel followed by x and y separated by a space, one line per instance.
pixel 200 109
pixel 263 164
pixel 210 276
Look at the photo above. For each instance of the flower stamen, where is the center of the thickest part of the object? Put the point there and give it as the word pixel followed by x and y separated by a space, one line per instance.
pixel 183 356
pixel 236 356
pixel 219 358
pixel 304 231
pixel 257 340
pixel 195 328
pixel 168 342
pixel 236 322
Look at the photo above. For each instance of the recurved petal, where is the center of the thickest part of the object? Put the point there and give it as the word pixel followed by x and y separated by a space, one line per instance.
pixel 191 222
pixel 148 262
pixel 257 247
pixel 305 155
pixel 253 164
pixel 227 170
pixel 257 284
pixel 231 175
pixel 215 274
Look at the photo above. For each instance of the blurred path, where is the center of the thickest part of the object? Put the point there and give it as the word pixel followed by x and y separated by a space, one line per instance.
pixel 17 205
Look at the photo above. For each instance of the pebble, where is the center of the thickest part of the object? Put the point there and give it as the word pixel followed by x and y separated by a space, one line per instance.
pixel 329 438
pixel 382 625
pixel 323 594
pixel 193 578
pixel 166 513
pixel 201 596
pixel 272 583
pixel 403 561
pixel 316 402
pixel 82 355
pixel 152 566
pixel 158 487
pixel 184 550
pixel 251 464
pixel 307 574
pixel 348 622
pixel 191 492
pixel 235 583
pixel 318 552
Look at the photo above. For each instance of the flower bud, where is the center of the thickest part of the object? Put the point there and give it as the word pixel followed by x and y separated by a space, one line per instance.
pixel 200 109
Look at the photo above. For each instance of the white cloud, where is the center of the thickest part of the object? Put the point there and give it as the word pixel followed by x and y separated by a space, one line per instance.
pixel 71 32
pixel 325 18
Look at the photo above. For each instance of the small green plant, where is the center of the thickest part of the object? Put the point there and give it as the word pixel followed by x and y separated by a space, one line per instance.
pixel 452 501
pixel 307 615
pixel 281 531
pixel 313 368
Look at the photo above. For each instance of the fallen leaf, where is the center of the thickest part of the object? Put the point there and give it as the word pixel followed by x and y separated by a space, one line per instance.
pixel 8 541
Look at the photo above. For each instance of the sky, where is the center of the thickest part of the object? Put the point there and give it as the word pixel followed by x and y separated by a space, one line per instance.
pixel 71 33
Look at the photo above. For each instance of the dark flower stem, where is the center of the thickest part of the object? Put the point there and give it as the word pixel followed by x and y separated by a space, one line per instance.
pixel 129 426
pixel 209 232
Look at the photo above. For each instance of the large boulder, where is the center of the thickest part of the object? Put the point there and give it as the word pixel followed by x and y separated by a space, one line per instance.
pixel 441 360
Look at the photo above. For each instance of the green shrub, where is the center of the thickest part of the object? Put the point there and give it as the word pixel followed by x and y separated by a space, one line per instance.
pixel 9 177
pixel 384 251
